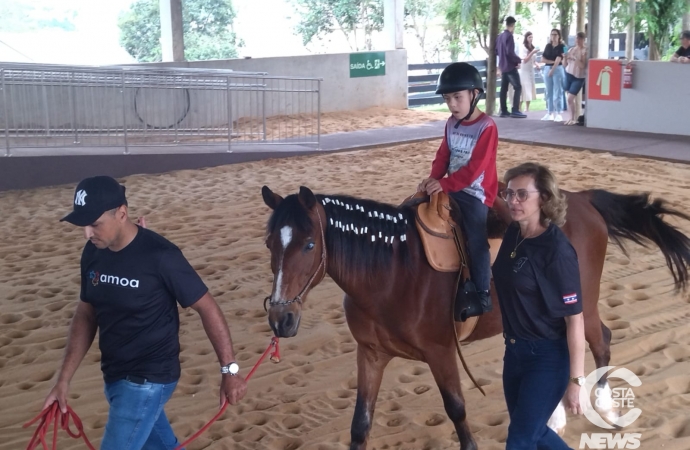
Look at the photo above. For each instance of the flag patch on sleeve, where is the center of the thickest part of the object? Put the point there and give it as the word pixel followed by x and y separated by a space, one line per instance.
pixel 570 299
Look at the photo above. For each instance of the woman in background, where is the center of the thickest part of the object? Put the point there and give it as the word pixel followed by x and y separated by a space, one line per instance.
pixel 527 53
pixel 554 76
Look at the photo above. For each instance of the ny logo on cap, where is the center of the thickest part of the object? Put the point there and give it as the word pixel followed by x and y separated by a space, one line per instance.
pixel 80 198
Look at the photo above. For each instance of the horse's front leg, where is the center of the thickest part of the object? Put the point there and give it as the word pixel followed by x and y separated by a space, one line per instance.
pixel 445 371
pixel 370 366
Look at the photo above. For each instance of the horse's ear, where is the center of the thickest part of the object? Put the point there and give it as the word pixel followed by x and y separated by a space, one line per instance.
pixel 272 200
pixel 306 197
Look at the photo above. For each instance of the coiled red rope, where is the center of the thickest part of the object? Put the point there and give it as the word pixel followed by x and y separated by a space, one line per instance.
pixel 53 415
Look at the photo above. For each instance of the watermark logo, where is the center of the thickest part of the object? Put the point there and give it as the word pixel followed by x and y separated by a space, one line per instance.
pixel 606 399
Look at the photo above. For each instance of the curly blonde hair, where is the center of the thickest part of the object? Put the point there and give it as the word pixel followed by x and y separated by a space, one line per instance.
pixel 554 204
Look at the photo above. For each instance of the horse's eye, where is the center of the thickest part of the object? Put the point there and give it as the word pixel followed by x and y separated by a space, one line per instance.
pixel 310 246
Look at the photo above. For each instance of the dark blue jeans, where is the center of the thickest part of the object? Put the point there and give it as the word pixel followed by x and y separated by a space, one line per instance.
pixel 535 377
pixel 136 420
pixel 512 77
pixel 474 214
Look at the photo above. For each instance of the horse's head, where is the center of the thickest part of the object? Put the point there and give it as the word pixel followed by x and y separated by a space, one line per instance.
pixel 295 237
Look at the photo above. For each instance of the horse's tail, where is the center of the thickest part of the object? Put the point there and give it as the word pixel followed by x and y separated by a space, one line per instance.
pixel 637 218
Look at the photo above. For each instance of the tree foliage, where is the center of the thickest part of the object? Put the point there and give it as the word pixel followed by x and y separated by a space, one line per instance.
pixel 320 18
pixel 660 18
pixel 207 28
pixel 467 21
pixel 419 15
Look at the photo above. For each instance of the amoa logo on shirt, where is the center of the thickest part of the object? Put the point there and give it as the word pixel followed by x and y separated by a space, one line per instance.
pixel 97 278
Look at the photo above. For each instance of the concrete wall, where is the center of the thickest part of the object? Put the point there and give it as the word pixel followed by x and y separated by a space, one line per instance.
pixel 657 103
pixel 339 92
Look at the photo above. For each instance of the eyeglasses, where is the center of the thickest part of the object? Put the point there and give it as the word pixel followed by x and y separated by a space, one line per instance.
pixel 521 195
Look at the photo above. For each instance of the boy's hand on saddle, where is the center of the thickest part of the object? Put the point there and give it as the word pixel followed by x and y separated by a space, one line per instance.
pixel 430 186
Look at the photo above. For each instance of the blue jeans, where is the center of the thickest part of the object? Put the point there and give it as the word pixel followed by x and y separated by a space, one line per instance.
pixel 136 420
pixel 535 378
pixel 554 89
pixel 474 216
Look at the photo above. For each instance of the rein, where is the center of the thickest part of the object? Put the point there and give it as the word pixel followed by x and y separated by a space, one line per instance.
pixel 322 264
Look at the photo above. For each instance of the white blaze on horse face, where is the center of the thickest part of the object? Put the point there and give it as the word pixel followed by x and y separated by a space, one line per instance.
pixel 285 238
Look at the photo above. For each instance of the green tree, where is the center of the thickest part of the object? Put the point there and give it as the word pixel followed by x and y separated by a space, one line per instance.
pixel 565 17
pixel 468 21
pixel 207 27
pixel 419 15
pixel 660 18
pixel 319 18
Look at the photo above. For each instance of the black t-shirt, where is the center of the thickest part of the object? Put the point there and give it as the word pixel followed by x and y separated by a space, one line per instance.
pixel 551 52
pixel 683 52
pixel 134 293
pixel 540 286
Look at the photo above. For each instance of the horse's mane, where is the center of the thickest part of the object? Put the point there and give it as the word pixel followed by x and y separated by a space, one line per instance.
pixel 363 234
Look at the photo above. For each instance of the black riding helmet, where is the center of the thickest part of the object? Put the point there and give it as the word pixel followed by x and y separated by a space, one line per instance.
pixel 461 76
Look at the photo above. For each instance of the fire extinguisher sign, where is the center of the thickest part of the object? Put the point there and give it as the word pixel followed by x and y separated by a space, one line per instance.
pixel 604 80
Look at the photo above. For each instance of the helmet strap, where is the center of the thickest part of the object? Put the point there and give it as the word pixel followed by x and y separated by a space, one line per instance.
pixel 473 105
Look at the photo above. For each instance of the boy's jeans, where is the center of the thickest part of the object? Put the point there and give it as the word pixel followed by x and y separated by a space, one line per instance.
pixel 136 420
pixel 474 216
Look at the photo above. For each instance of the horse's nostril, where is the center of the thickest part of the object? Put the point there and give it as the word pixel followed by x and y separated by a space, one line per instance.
pixel 289 321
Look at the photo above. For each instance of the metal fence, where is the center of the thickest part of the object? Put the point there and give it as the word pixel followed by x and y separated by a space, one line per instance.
pixel 58 106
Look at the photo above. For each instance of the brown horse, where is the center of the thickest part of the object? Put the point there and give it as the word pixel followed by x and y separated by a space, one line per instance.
pixel 397 305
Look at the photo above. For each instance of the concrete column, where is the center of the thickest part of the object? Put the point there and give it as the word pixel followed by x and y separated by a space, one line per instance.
pixel 511 8
pixel 630 33
pixel 394 23
pixel 686 17
pixel 599 28
pixel 172 40
pixel 546 26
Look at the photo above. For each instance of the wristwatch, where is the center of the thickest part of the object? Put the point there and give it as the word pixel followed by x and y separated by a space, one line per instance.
pixel 231 369
pixel 580 381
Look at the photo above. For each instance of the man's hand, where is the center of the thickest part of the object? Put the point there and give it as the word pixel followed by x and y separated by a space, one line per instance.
pixel 57 394
pixel 232 388
pixel 684 60
pixel 571 400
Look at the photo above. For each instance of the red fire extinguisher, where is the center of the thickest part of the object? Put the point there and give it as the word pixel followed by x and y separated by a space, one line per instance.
pixel 628 76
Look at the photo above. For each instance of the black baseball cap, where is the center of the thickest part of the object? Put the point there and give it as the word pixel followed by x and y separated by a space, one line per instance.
pixel 93 197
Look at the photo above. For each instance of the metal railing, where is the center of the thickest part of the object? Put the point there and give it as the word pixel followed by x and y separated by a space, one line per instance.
pixel 58 106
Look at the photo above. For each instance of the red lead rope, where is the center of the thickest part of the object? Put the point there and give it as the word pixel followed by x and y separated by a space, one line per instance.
pixel 52 414
pixel 275 356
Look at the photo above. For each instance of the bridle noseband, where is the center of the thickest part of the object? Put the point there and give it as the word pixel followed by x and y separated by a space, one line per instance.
pixel 322 264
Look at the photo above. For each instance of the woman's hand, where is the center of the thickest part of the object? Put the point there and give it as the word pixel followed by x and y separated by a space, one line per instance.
pixel 571 400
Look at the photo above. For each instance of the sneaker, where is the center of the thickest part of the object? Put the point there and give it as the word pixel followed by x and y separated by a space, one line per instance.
pixel 518 115
pixel 505 114
pixel 547 117
pixel 558 118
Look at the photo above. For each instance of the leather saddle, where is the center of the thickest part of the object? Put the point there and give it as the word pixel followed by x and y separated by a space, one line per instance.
pixel 438 232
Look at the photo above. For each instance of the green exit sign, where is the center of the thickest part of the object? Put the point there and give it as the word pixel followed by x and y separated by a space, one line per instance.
pixel 371 64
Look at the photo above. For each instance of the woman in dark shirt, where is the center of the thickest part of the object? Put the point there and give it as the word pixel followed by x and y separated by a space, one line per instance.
pixel 554 76
pixel 537 280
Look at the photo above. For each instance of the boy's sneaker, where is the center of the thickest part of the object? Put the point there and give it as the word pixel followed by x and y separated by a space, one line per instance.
pixel 558 118
pixel 518 115
pixel 547 117
pixel 505 114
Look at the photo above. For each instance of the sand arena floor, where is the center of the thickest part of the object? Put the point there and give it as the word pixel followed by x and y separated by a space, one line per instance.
pixel 217 217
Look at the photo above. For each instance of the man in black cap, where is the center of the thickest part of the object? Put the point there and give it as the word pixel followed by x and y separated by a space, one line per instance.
pixel 131 282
